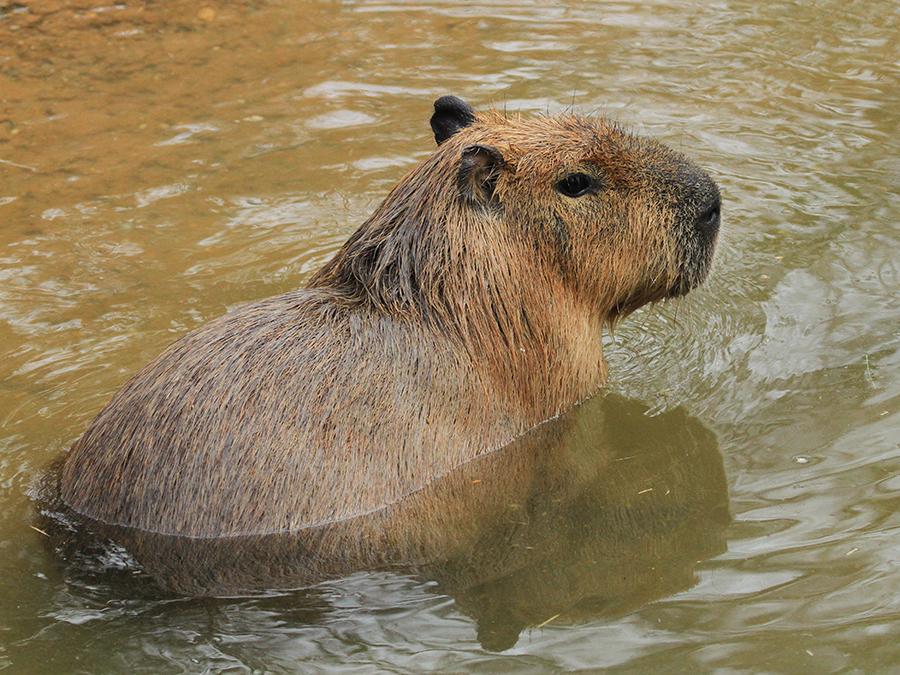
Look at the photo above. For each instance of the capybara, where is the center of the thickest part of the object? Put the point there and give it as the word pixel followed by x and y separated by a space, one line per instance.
pixel 466 310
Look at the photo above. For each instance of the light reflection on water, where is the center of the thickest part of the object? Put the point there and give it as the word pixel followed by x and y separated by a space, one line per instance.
pixel 239 186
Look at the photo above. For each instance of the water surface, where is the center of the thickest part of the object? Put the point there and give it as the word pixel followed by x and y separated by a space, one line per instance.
pixel 160 168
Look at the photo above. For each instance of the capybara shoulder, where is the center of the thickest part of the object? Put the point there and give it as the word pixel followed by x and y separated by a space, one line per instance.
pixel 467 309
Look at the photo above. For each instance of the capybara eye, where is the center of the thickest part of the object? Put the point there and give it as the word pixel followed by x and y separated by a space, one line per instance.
pixel 575 185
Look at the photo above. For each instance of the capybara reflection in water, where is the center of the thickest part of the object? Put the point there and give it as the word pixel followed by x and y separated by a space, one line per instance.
pixel 468 309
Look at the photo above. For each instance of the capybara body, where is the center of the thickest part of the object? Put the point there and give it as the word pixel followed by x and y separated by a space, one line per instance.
pixel 468 309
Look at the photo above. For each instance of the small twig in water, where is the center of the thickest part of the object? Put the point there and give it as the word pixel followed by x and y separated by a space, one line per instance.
pixel 870 378
pixel 555 616
pixel 20 166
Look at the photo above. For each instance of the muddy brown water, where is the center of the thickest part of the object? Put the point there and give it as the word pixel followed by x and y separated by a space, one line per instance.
pixel 735 508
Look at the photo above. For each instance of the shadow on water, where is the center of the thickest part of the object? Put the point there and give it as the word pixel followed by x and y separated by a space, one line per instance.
pixel 590 515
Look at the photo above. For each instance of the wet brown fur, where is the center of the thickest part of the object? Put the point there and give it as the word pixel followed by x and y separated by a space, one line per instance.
pixel 468 309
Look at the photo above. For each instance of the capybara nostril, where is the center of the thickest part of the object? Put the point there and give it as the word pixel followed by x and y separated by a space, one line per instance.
pixel 699 200
pixel 708 220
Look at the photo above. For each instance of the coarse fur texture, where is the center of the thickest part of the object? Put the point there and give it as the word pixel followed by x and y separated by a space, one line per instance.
pixel 468 309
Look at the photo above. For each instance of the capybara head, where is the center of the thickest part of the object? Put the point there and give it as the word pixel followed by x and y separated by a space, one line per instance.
pixel 510 209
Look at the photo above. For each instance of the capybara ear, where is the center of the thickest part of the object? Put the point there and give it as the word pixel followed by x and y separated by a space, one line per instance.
pixel 478 172
pixel 450 115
